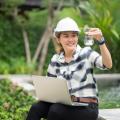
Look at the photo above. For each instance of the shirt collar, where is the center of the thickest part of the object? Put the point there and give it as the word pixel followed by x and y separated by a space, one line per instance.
pixel 61 57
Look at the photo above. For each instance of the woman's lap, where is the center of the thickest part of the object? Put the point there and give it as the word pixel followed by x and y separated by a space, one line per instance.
pixel 59 111
pixel 73 112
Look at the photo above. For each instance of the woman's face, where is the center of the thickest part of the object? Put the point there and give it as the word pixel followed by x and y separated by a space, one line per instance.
pixel 68 40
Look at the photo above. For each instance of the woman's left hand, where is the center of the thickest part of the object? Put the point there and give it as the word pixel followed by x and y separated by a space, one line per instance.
pixel 95 33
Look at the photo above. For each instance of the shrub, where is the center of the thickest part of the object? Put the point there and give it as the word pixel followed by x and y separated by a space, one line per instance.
pixel 19 65
pixel 16 66
pixel 14 102
pixel 4 67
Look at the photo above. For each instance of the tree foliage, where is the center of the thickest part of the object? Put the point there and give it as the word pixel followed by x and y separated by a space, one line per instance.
pixel 103 14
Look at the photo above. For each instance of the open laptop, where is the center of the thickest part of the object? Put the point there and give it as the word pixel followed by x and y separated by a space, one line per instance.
pixel 54 90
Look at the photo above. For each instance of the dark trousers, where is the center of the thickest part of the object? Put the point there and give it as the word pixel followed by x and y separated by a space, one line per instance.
pixel 59 111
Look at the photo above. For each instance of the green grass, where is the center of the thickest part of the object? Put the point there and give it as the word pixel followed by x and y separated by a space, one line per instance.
pixel 110 97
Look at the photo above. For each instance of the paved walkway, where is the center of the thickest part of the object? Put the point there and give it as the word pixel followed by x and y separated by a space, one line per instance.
pixel 26 82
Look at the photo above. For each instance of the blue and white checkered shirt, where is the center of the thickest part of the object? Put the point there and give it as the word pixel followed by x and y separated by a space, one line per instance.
pixel 79 72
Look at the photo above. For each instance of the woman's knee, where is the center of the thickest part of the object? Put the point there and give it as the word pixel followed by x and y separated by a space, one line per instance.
pixel 40 107
pixel 55 112
pixel 57 109
pixel 38 110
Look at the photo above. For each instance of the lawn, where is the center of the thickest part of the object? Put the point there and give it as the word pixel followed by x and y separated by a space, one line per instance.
pixel 110 97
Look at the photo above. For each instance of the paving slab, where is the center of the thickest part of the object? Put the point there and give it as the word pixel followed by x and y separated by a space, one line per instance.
pixel 110 114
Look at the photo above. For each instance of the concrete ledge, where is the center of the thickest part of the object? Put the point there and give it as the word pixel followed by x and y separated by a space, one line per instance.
pixel 107 79
pixel 110 114
pixel 101 118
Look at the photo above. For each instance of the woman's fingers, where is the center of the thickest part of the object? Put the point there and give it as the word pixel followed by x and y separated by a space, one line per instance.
pixel 95 33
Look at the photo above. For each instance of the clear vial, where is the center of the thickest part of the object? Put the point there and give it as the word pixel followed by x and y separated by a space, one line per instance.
pixel 88 40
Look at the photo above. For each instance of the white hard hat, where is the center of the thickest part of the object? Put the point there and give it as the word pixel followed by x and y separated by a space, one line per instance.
pixel 66 24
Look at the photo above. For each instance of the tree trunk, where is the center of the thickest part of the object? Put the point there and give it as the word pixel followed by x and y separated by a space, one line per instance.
pixel 43 55
pixel 39 47
pixel 44 42
pixel 42 48
pixel 27 47
pixel 51 17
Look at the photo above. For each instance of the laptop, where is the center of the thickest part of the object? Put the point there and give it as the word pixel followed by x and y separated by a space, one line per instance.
pixel 54 90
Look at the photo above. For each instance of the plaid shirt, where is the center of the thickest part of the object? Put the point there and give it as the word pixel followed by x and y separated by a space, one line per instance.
pixel 79 72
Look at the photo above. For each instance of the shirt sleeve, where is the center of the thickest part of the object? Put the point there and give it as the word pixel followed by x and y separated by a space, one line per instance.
pixel 96 60
pixel 51 71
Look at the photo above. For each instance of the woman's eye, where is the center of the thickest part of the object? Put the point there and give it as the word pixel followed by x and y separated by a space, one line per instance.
pixel 73 35
pixel 66 36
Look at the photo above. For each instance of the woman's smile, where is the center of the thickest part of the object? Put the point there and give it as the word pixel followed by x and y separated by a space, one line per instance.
pixel 68 40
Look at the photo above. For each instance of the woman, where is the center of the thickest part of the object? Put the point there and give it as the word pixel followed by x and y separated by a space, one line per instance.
pixel 74 64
